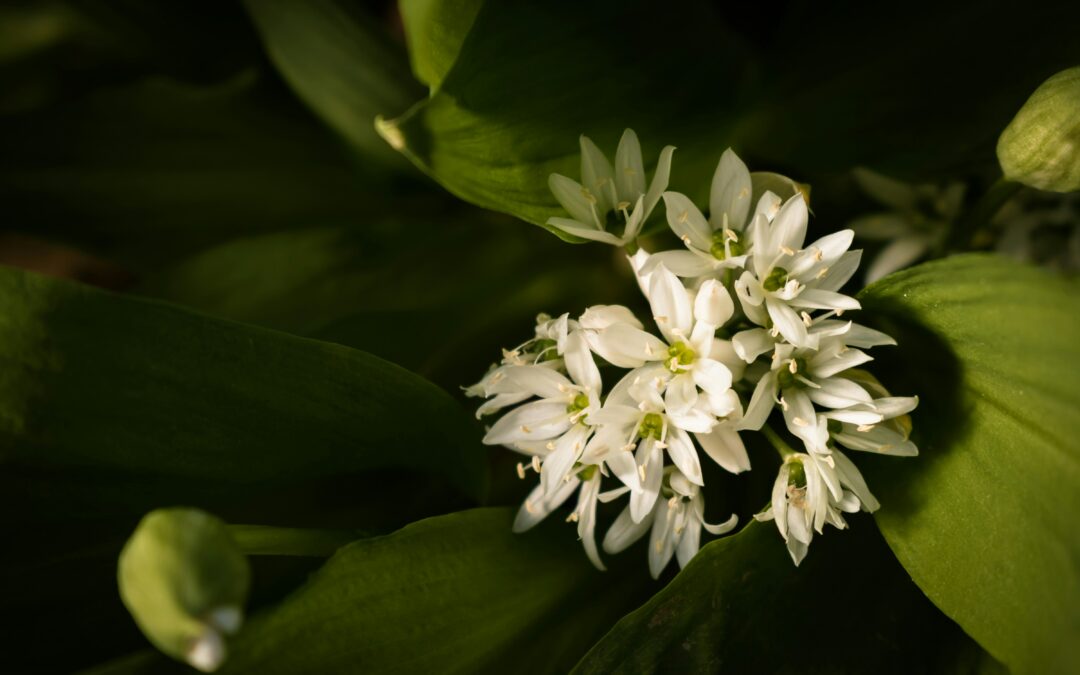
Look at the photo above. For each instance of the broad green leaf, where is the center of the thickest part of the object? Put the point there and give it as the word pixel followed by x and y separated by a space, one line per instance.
pixel 741 606
pixel 464 286
pixel 185 582
pixel 341 62
pixel 456 593
pixel 822 91
pixel 435 30
pixel 984 519
pixel 94 380
pixel 155 170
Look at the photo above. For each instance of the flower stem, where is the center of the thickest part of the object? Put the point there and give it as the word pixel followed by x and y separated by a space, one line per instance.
pixel 780 444
pixel 963 231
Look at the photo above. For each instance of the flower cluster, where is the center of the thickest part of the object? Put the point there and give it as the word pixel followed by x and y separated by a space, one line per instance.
pixel 747 320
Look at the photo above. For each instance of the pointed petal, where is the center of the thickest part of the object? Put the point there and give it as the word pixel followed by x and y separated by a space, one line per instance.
pixel 724 445
pixel 712 376
pixel 536 507
pixel 660 179
pixel 686 221
pixel 624 346
pixel 729 197
pixel 684 455
pixel 629 169
pixel 799 413
pixel 713 304
pixel 670 304
pixel 752 343
pixel 535 421
pixel 689 542
pixel 787 322
pixel 761 403
pixel 837 392
pixel 686 264
pixel 597 175
pixel 579 362
pixel 789 227
pixel 624 532
pixel 571 195
pixel 580 230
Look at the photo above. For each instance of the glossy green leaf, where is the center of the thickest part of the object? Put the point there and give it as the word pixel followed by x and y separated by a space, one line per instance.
pixel 456 593
pixel 820 91
pixel 984 520
pixel 185 582
pixel 94 380
pixel 435 30
pixel 741 606
pixel 341 62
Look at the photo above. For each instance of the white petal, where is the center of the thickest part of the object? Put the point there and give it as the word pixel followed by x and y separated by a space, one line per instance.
pixel 724 352
pixel 724 527
pixel 624 346
pixel 499 402
pixel 597 176
pixel 586 510
pixel 713 304
pixel 799 413
pixel 730 193
pixel 537 380
pixel 599 317
pixel 571 195
pixel 689 542
pixel 671 305
pixel 726 448
pixel 828 363
pixel 661 545
pixel 851 477
pixel 535 421
pixel 560 461
pixel 681 394
pixel 752 343
pixel 622 465
pixel 858 417
pixel 712 376
pixel 787 322
pixel 779 499
pixel 624 532
pixel 894 406
pixel 837 392
pixel 580 363
pixel 861 336
pixel 839 273
pixel 681 263
pixel 686 220
pixel 684 455
pixel 536 506
pixel 814 298
pixel 748 288
pixel 635 221
pixel 789 226
pixel 579 230
pixel 641 503
pixel 660 179
pixel 629 169
pixel 695 420
pixel 761 403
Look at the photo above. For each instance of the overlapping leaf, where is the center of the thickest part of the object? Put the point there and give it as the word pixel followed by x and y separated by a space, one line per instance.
pixel 984 519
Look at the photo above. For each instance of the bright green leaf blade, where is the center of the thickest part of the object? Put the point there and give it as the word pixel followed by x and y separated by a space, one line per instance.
pixel 456 593
pixel 435 30
pixel 741 606
pixel 984 520
pixel 826 90
pixel 341 62
pixel 94 380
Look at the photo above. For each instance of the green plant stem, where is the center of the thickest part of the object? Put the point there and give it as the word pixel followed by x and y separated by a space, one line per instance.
pixel 779 443
pixel 291 541
pixel 964 229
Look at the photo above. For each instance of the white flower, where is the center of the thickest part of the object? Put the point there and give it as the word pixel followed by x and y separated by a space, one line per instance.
pixel 887 437
pixel 813 489
pixel 783 277
pixel 676 522
pixel 539 504
pixel 607 194
pixel 803 377
pixel 688 323
pixel 557 425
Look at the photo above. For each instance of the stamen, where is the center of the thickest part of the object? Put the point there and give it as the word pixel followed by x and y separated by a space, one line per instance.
pixel 521 472
pixel 536 463
pixel 806 319
pixel 787 250
pixel 572 518
pixel 783 404
pixel 684 216
pixel 822 272
pixel 865 427
pixel 793 366
pixel 525 429
pixel 529 506
pixel 641 471
pixel 800 422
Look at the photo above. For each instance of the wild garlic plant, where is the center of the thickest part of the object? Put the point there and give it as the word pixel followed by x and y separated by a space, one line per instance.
pixel 746 320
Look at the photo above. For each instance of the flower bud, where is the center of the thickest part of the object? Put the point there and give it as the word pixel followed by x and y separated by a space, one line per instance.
pixel 185 582
pixel 1041 146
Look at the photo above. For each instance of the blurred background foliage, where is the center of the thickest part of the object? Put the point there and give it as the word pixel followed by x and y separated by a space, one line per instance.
pixel 225 156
